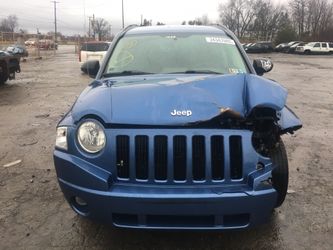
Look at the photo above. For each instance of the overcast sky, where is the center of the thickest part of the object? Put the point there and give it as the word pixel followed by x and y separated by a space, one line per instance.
pixel 73 14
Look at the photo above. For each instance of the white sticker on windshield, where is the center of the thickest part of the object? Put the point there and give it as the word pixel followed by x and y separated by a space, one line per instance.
pixel 216 39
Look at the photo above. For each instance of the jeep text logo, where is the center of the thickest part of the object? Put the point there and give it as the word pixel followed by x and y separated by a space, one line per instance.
pixel 181 112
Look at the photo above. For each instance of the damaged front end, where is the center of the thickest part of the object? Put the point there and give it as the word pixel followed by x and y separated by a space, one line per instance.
pixel 179 150
pixel 267 125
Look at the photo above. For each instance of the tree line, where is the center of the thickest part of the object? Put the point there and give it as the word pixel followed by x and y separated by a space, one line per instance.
pixel 305 20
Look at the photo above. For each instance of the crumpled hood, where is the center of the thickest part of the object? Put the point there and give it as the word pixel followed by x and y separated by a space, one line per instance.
pixel 176 100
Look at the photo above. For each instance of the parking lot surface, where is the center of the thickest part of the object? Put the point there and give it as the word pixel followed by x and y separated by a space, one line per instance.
pixel 34 214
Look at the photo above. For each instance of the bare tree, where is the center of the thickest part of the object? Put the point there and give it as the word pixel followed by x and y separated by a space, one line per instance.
pixel 204 19
pixel 9 24
pixel 268 19
pixel 298 13
pixel 319 15
pixel 101 28
pixel 147 22
pixel 312 18
pixel 237 15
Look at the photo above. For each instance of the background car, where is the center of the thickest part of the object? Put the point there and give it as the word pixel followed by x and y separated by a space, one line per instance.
pixel 260 47
pixel 31 42
pixel 47 44
pixel 279 47
pixel 315 48
pixel 17 49
pixel 285 49
pixel 93 51
pixel 293 47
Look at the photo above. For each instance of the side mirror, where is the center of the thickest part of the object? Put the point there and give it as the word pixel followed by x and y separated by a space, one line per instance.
pixel 91 68
pixel 262 66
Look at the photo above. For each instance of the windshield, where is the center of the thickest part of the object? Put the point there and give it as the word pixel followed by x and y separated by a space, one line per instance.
pixel 177 53
pixel 311 44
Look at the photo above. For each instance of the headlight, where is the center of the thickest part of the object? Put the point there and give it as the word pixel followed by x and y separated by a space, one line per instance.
pixel 61 140
pixel 91 136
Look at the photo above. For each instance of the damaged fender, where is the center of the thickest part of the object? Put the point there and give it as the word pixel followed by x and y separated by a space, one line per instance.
pixel 288 121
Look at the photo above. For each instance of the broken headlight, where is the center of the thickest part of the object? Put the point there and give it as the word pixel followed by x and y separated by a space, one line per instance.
pixel 91 136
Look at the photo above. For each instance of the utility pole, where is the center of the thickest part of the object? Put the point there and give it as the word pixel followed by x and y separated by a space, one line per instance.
pixel 89 25
pixel 37 44
pixel 93 26
pixel 55 24
pixel 122 11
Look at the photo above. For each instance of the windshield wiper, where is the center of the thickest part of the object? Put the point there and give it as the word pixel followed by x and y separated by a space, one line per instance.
pixel 198 72
pixel 127 73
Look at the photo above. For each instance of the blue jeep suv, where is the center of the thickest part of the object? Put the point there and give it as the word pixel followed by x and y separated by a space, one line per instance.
pixel 178 130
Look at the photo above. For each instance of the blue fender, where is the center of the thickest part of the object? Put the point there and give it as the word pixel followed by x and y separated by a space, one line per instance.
pixel 288 122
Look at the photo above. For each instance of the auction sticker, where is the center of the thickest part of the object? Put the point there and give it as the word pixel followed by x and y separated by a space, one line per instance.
pixel 217 39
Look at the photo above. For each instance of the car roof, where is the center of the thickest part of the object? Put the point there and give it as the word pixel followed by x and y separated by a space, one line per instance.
pixel 200 29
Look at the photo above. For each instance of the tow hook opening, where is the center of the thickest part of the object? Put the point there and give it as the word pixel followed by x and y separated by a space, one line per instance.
pixel 80 206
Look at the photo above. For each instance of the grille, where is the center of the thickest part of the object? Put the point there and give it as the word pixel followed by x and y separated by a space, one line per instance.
pixel 179 158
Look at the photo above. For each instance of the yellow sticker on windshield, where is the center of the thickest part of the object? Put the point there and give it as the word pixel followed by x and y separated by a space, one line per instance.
pixel 216 39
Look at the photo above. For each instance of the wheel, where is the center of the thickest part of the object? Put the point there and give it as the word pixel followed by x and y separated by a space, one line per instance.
pixel 3 73
pixel 307 52
pixel 280 173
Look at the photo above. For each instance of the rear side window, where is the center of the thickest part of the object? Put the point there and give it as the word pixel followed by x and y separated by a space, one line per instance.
pixel 324 45
pixel 331 45
pixel 95 47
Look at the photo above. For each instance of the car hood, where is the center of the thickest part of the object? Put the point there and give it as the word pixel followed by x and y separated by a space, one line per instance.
pixel 176 99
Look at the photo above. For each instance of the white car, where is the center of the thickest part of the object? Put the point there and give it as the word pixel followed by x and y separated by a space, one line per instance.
pixel 315 48
pixel 93 51
pixel 31 42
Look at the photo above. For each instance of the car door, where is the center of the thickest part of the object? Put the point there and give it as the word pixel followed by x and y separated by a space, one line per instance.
pixel 316 48
pixel 324 48
pixel 330 47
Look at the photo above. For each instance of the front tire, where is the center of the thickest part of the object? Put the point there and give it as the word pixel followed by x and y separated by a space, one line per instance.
pixel 280 173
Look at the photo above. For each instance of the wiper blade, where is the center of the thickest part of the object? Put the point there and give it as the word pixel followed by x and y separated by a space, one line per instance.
pixel 127 73
pixel 198 72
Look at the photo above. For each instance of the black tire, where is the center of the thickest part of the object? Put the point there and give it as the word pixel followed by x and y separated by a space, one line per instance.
pixel 280 173
pixel 3 73
pixel 307 52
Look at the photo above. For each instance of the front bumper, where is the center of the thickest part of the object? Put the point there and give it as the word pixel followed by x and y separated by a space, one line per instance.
pixel 164 206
